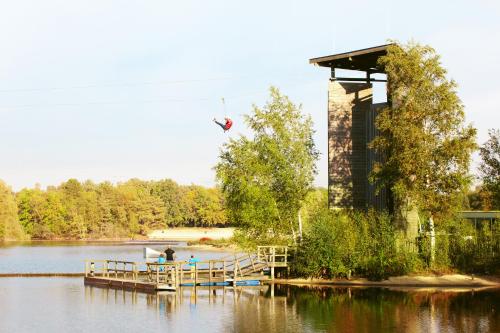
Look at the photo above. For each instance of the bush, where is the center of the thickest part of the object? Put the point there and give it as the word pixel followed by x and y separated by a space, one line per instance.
pixel 338 244
pixel 474 250
pixel 328 247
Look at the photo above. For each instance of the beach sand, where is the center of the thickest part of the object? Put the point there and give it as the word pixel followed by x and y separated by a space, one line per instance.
pixel 448 280
pixel 191 234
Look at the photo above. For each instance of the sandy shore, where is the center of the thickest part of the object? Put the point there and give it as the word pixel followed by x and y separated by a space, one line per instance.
pixel 191 234
pixel 450 280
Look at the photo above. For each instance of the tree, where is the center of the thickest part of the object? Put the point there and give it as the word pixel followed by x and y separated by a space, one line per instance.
pixel 490 167
pixel 479 199
pixel 204 207
pixel 172 195
pixel 265 178
pixel 30 203
pixel 423 140
pixel 10 229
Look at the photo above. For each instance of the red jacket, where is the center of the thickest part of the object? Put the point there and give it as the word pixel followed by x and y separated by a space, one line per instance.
pixel 228 124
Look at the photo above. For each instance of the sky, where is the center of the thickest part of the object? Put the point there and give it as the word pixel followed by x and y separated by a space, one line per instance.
pixel 113 90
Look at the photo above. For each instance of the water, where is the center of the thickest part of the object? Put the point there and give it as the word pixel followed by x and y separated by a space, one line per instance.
pixel 65 304
pixel 69 257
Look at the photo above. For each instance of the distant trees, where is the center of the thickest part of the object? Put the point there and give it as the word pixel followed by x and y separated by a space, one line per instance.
pixel 266 177
pixel 87 210
pixel 490 168
pixel 10 229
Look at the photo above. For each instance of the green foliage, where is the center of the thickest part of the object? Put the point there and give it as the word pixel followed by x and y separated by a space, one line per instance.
pixel 265 178
pixel 473 247
pixel 204 207
pixel 490 167
pixel 425 144
pixel 10 229
pixel 480 199
pixel 315 200
pixel 339 244
pixel 77 210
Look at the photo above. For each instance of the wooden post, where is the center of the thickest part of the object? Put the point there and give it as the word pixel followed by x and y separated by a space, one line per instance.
pixel 224 271
pixel 195 273
pixel 157 275
pixel 210 272
pixel 106 267
pixel 181 271
pixel 235 271
pixel 176 277
pixel 251 260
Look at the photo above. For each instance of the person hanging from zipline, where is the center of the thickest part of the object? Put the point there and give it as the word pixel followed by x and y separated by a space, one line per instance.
pixel 227 125
pixel 228 122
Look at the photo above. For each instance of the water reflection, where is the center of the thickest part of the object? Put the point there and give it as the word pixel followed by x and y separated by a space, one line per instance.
pixel 280 308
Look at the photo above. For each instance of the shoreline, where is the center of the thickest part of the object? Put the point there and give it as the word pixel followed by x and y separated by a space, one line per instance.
pixel 182 234
pixel 417 281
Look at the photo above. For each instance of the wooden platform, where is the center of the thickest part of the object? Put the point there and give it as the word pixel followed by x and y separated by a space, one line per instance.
pixel 128 284
pixel 237 270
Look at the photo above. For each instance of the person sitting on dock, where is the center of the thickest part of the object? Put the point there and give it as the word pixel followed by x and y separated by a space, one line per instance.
pixel 170 253
pixel 161 260
pixel 192 265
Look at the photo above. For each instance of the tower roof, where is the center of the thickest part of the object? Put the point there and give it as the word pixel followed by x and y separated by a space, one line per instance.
pixel 360 60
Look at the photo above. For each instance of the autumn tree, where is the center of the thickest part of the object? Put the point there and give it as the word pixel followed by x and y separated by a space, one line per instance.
pixel 424 141
pixel 10 229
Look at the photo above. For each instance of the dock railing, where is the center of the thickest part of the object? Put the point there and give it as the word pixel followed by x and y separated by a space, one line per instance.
pixel 273 256
pixel 112 269
pixel 167 273
pixel 232 268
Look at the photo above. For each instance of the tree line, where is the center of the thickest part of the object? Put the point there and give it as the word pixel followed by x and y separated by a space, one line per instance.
pixel 86 210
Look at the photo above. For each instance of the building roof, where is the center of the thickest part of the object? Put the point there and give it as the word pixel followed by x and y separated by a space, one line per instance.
pixel 477 214
pixel 360 60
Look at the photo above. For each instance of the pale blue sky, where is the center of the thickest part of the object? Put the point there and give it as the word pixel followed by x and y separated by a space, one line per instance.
pixel 110 90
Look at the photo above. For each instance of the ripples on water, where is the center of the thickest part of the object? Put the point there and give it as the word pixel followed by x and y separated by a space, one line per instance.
pixel 65 304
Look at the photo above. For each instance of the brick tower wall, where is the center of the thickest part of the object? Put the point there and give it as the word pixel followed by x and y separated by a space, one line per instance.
pixel 351 116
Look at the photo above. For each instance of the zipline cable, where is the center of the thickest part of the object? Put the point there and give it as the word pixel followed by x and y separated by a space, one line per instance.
pixel 168 100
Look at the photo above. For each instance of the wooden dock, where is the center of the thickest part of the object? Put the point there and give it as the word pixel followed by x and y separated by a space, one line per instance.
pixel 247 269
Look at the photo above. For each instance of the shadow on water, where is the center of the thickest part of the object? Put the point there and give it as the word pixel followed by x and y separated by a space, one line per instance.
pixel 282 308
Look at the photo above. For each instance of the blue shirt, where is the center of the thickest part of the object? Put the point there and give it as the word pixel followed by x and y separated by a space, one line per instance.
pixel 161 260
pixel 192 261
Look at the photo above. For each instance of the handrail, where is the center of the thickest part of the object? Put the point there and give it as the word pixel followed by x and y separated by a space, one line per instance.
pixel 174 272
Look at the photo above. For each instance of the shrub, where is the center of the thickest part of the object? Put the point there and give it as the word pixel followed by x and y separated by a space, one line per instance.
pixel 337 244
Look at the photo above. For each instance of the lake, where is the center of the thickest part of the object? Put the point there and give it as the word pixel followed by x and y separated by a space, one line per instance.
pixel 65 304
pixel 69 257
